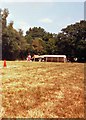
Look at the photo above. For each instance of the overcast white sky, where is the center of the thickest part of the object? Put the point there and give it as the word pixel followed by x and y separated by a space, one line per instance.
pixel 52 16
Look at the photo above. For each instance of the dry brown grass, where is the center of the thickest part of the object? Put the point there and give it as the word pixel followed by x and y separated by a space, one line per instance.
pixel 43 90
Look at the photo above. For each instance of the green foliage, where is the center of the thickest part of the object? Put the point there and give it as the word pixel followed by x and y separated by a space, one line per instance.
pixel 36 32
pixel 72 40
pixel 4 14
pixel 38 46
pixel 50 46
pixel 13 44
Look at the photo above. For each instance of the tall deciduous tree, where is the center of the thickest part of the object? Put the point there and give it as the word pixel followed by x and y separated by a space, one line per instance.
pixel 72 40
pixel 5 14
pixel 14 45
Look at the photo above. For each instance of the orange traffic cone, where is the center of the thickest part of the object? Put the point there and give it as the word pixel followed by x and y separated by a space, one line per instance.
pixel 4 63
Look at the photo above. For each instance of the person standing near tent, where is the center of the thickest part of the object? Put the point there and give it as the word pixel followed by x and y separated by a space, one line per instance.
pixel 29 57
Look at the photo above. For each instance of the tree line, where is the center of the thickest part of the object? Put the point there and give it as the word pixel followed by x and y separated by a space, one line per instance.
pixel 71 41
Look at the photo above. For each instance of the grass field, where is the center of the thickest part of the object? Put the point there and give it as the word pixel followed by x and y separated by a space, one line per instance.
pixel 42 90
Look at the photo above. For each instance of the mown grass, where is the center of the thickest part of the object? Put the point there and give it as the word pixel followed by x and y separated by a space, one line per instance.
pixel 42 90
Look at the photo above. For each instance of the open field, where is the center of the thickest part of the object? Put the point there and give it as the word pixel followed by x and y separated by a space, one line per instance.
pixel 42 90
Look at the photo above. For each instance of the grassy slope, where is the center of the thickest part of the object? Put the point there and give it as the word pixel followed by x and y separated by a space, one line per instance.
pixel 43 90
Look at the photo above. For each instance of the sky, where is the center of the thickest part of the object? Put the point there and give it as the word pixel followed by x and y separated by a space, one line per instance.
pixel 52 16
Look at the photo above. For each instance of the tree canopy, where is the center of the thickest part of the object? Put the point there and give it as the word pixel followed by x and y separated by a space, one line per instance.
pixel 71 41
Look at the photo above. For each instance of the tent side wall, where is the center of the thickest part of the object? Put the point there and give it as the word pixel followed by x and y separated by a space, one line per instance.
pixel 54 59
